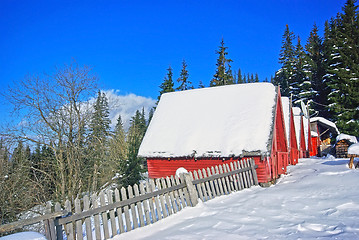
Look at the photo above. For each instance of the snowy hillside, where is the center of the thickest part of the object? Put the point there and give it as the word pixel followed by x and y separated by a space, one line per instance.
pixel 319 198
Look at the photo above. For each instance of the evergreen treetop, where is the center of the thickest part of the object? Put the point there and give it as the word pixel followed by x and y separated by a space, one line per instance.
pixel 167 84
pixel 185 84
pixel 223 75
pixel 286 59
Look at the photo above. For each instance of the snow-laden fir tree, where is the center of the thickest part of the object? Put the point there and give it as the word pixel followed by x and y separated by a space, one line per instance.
pixel 315 52
pixel 300 85
pixel 223 75
pixel 343 69
pixel 283 76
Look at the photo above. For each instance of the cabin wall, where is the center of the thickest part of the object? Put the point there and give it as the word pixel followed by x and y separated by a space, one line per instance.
pixel 302 145
pixel 279 153
pixel 314 146
pixel 162 167
pixel 293 146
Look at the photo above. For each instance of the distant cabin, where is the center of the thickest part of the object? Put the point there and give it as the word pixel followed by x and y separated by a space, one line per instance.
pixel 322 131
pixel 205 127
pixel 290 131
pixel 299 122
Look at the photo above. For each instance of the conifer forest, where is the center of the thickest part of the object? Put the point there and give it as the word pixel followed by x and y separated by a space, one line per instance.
pixel 64 146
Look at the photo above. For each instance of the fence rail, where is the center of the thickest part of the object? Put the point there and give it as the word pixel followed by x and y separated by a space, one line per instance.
pixel 115 212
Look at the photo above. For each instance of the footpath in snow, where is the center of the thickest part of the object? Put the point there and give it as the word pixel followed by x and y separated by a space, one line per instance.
pixel 317 199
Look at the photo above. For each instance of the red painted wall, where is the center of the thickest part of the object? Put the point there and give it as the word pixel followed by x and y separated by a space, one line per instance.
pixel 280 147
pixel 314 147
pixel 310 147
pixel 294 152
pixel 161 167
pixel 302 145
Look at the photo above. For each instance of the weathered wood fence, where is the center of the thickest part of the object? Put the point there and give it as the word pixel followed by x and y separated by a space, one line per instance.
pixel 108 214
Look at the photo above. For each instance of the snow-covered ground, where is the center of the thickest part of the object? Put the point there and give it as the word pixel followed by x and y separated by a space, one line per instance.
pixel 317 199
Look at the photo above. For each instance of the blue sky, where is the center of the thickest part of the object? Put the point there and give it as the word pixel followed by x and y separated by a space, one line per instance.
pixel 130 44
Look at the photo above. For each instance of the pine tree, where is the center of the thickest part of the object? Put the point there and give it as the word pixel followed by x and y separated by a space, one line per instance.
pixel 100 123
pixel 223 75
pixel 315 52
pixel 301 85
pixel 185 84
pixel 239 77
pixel 167 84
pixel 118 152
pixel 150 115
pixel 201 85
pixel 256 78
pixel 135 164
pixel 343 69
pixel 98 143
pixel 283 76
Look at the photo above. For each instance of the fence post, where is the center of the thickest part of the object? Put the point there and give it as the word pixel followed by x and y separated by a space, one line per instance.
pixel 191 189
pixel 254 172
pixel 49 224
pixel 59 233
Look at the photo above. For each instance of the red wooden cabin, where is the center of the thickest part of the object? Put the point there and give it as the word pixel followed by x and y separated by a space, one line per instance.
pixel 308 136
pixel 325 130
pixel 290 131
pixel 300 132
pixel 205 127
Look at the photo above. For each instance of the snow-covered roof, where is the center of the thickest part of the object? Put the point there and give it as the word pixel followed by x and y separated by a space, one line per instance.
pixel 286 115
pixel 314 134
pixel 218 121
pixel 350 138
pixel 326 123
pixel 354 149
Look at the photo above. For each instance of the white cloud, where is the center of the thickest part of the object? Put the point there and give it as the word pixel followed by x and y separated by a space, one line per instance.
pixel 126 106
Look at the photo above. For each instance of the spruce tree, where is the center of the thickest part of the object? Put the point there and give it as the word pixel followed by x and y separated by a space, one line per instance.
pixel 223 75
pixel 135 164
pixel 118 152
pixel 98 143
pixel 301 85
pixel 256 78
pixel 150 115
pixel 283 76
pixel 315 52
pixel 167 84
pixel 185 84
pixel 343 69
pixel 200 84
pixel 100 122
pixel 239 76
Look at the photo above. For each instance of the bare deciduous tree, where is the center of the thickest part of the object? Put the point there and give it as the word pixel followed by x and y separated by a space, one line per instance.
pixel 54 112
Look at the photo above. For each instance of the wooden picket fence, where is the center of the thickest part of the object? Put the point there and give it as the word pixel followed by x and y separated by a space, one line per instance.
pixel 108 214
